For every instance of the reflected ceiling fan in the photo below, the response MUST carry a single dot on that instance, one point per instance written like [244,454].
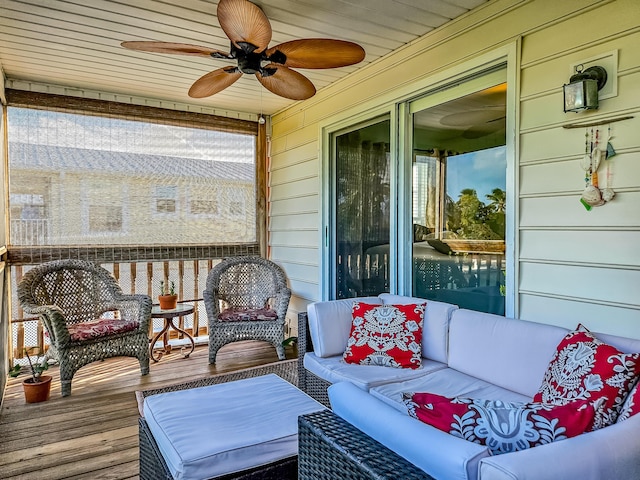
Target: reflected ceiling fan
[249,30]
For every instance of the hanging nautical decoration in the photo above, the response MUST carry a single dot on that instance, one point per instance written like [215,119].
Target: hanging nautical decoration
[596,150]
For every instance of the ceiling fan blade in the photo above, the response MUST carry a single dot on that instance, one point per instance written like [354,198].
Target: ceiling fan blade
[472,117]
[286,82]
[178,48]
[482,131]
[316,53]
[214,82]
[244,22]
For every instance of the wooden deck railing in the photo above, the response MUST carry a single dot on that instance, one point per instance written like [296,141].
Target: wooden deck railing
[471,280]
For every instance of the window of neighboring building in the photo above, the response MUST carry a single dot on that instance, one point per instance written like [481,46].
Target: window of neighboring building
[236,202]
[166,199]
[203,207]
[104,219]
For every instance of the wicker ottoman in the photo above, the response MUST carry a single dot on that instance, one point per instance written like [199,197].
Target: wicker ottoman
[246,429]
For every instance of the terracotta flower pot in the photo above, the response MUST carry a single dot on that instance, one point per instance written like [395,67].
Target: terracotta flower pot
[168,302]
[38,391]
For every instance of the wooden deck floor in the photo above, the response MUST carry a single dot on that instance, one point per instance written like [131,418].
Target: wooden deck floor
[93,433]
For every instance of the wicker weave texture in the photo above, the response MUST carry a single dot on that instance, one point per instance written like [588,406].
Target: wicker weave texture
[67,292]
[309,383]
[152,464]
[285,370]
[246,282]
[330,448]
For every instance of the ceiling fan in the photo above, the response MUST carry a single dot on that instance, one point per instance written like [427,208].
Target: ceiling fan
[249,30]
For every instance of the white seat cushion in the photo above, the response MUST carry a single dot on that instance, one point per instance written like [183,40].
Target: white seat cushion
[229,427]
[448,383]
[335,369]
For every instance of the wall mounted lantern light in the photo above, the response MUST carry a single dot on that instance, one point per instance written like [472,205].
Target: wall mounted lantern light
[581,93]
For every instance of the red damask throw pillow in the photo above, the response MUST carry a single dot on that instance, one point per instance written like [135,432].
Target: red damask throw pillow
[585,368]
[386,335]
[631,404]
[503,427]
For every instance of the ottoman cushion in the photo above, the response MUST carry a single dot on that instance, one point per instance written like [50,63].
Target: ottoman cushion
[228,427]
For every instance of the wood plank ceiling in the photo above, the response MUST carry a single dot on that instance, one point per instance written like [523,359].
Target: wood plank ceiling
[76,43]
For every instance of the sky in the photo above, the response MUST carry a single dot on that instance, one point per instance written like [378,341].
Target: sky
[482,171]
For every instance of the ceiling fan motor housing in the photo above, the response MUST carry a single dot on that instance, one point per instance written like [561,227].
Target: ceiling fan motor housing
[251,62]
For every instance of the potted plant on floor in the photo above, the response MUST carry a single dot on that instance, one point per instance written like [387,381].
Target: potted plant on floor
[291,347]
[37,387]
[167,297]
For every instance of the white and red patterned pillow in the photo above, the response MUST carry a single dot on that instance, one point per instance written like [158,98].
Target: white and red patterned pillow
[503,427]
[100,327]
[631,404]
[585,368]
[386,335]
[238,314]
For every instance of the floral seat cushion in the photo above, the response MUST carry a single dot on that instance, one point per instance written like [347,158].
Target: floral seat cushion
[100,327]
[239,314]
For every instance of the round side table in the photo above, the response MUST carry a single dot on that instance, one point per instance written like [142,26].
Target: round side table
[180,311]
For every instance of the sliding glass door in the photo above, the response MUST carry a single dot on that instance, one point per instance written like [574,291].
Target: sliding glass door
[459,194]
[434,224]
[361,210]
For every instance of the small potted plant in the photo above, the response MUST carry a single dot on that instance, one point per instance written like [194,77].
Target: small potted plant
[37,387]
[167,297]
[291,345]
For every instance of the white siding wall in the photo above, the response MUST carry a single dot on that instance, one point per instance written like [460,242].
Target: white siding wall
[573,265]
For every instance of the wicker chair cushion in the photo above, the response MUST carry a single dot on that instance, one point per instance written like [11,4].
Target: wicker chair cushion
[236,314]
[100,327]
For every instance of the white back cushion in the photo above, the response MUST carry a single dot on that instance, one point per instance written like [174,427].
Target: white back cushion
[510,353]
[624,344]
[436,324]
[330,324]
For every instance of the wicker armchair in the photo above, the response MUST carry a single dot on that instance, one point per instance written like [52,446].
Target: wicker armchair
[246,299]
[86,315]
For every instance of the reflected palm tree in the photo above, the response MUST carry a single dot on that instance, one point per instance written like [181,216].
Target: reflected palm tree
[498,198]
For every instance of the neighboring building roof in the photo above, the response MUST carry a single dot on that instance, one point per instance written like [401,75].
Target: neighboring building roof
[58,159]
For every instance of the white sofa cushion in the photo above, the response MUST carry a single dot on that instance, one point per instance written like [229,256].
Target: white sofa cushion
[439,454]
[435,330]
[229,427]
[330,324]
[624,344]
[448,383]
[335,369]
[513,354]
